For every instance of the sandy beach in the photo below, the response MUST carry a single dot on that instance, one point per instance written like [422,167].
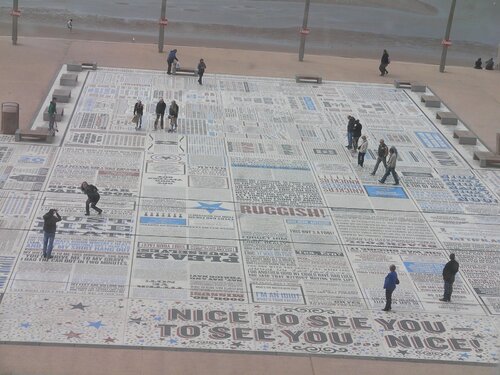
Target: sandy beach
[410,29]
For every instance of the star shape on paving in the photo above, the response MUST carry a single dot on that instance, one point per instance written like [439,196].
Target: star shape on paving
[109,339]
[96,325]
[79,306]
[25,325]
[403,352]
[72,335]
[135,320]
[236,344]
[211,207]
[172,341]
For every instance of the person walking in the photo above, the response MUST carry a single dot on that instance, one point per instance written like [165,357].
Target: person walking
[382,153]
[390,282]
[201,70]
[170,60]
[356,133]
[69,24]
[173,113]
[138,112]
[161,106]
[50,220]
[92,197]
[384,62]
[362,151]
[52,116]
[391,167]
[350,129]
[449,272]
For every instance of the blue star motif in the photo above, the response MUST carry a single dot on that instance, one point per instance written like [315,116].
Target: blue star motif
[211,207]
[25,325]
[96,325]
[157,318]
[464,355]
[172,341]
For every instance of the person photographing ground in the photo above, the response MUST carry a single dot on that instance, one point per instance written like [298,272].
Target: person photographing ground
[93,197]
[50,220]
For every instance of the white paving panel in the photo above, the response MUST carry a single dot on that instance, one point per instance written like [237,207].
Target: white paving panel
[250,229]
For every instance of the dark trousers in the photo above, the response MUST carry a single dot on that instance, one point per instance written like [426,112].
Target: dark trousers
[383,69]
[388,299]
[394,175]
[169,66]
[448,289]
[159,116]
[92,203]
[355,142]
[200,75]
[349,139]
[379,159]
[48,243]
[361,158]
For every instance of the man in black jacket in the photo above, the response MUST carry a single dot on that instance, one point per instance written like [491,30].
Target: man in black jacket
[449,272]
[201,70]
[160,112]
[92,197]
[350,129]
[50,220]
[384,62]
[356,134]
[382,153]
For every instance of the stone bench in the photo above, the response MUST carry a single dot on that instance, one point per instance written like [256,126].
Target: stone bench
[62,95]
[430,101]
[89,65]
[185,71]
[487,159]
[34,135]
[69,79]
[447,118]
[308,79]
[78,67]
[418,87]
[414,86]
[465,137]
[59,114]
[402,84]
[74,67]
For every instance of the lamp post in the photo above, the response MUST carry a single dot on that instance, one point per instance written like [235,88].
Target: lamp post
[303,32]
[15,16]
[161,32]
[446,42]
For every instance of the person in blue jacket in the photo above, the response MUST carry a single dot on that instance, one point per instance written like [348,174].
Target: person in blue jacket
[391,280]
[170,60]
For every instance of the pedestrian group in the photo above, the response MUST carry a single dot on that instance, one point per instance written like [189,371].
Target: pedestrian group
[354,134]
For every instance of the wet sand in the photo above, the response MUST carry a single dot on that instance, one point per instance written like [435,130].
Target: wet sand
[262,35]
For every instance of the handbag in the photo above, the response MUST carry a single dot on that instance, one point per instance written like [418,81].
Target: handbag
[135,119]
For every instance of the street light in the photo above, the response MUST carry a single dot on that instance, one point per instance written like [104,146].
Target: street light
[304,31]
[446,41]
[15,15]
[162,24]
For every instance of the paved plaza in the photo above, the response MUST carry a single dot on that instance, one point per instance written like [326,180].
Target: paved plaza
[251,229]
